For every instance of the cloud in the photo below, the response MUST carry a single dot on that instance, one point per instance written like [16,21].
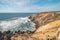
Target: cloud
[26,6]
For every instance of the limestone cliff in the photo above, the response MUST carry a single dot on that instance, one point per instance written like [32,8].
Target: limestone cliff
[47,27]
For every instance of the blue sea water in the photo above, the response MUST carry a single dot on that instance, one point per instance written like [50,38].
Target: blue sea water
[4,16]
[16,21]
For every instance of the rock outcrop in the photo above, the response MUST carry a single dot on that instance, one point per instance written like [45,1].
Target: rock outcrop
[47,27]
[45,18]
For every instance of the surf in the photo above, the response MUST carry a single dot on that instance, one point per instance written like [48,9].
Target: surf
[15,24]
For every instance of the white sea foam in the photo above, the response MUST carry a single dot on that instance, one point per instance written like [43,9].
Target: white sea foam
[22,24]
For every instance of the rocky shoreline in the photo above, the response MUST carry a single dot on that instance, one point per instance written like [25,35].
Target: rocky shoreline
[47,28]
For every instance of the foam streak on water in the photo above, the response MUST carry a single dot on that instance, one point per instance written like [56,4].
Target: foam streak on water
[22,24]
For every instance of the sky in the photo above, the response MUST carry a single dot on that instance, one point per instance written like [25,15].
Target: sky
[29,6]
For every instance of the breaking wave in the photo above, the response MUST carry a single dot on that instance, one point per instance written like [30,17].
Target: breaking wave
[15,24]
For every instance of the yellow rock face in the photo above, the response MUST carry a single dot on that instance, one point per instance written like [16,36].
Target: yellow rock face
[47,27]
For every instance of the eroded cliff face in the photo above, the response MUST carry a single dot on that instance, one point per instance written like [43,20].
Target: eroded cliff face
[45,18]
[47,24]
[47,27]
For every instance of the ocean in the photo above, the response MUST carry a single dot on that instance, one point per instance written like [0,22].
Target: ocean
[16,21]
[4,16]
